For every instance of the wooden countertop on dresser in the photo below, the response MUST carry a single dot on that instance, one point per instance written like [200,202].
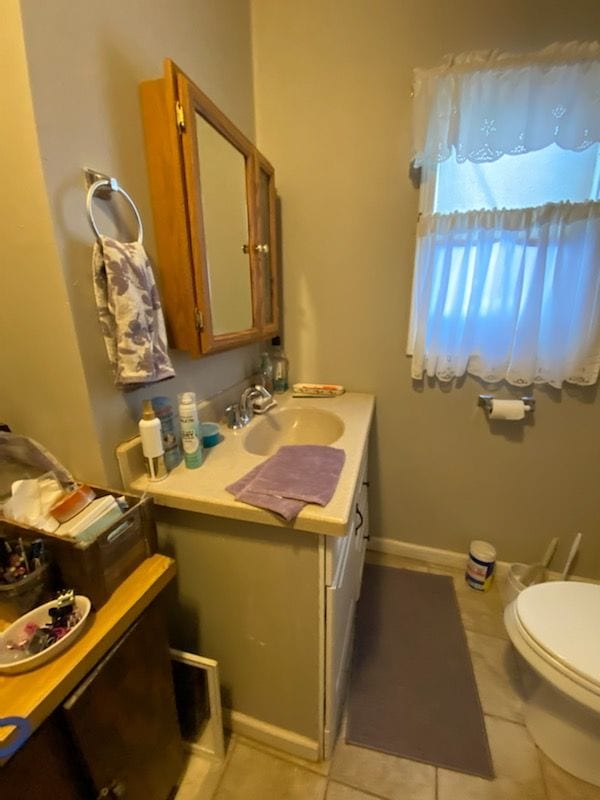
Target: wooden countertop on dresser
[34,695]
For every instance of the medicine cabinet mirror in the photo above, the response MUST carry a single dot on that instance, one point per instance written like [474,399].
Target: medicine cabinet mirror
[213,200]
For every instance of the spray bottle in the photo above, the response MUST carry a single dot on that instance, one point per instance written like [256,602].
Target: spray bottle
[190,430]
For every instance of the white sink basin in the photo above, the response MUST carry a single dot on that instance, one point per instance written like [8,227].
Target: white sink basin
[292,426]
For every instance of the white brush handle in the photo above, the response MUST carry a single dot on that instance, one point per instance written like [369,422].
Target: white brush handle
[571,556]
[550,552]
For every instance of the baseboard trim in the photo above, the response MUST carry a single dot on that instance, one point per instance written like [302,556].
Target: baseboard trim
[448,558]
[281,738]
[431,555]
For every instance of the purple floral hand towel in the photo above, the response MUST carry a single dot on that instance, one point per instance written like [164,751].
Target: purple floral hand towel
[294,476]
[130,313]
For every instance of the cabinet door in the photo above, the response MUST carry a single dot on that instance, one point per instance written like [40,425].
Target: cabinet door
[123,720]
[265,247]
[339,618]
[344,563]
[45,767]
[214,204]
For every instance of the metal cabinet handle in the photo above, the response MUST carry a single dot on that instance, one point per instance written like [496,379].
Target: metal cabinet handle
[361,519]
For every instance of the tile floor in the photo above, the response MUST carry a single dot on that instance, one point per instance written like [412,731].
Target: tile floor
[252,771]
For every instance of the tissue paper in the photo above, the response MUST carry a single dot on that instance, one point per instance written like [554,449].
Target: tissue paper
[31,501]
[507,409]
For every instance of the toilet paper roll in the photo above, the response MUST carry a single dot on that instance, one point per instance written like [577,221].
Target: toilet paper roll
[507,409]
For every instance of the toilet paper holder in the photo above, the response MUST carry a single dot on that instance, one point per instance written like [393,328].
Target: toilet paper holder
[485,401]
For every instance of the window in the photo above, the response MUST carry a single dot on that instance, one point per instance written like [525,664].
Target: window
[507,267]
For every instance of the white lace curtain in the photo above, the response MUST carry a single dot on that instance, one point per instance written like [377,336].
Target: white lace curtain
[480,106]
[508,294]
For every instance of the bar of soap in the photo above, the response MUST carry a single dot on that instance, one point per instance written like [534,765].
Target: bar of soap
[317,390]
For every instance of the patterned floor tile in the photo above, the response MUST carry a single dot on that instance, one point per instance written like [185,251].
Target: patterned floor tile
[386,776]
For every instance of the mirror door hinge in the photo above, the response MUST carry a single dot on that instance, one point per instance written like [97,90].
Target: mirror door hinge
[179,116]
[199,319]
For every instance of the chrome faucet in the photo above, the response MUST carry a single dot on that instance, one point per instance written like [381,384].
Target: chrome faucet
[240,414]
[246,404]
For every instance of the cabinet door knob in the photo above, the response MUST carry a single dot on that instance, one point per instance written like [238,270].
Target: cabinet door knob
[258,248]
[114,789]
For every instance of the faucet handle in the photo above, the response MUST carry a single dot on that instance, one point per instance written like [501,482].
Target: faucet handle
[233,416]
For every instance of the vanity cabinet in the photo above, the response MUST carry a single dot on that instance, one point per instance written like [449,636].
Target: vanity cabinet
[214,205]
[275,606]
[110,726]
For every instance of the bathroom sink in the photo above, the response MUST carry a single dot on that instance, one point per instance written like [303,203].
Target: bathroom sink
[292,426]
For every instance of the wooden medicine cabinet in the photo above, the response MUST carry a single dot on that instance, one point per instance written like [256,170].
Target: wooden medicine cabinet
[213,200]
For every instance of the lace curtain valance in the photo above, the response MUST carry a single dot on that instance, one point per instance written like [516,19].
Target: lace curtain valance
[481,106]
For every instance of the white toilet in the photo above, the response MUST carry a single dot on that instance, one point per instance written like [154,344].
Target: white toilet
[556,629]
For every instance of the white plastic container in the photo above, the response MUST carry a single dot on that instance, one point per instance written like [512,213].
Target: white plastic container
[519,577]
[152,443]
[481,564]
[191,435]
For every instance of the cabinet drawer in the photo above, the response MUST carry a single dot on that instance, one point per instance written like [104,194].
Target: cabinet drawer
[336,545]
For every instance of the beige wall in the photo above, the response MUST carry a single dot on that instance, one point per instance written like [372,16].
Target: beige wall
[86,61]
[44,394]
[332,83]
[333,114]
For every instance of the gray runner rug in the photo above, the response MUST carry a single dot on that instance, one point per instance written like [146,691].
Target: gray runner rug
[412,687]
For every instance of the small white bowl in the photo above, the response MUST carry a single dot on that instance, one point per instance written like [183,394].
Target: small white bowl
[40,616]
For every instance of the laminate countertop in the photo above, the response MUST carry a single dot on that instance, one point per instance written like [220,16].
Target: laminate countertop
[203,490]
[34,695]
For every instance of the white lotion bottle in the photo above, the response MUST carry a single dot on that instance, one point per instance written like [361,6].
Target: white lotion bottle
[191,437]
[152,444]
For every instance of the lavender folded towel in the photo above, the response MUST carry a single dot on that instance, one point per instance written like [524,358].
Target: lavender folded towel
[294,476]
[283,506]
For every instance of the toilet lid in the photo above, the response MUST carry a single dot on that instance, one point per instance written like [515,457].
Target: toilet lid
[563,618]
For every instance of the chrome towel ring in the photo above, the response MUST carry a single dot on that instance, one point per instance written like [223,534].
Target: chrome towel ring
[106,186]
